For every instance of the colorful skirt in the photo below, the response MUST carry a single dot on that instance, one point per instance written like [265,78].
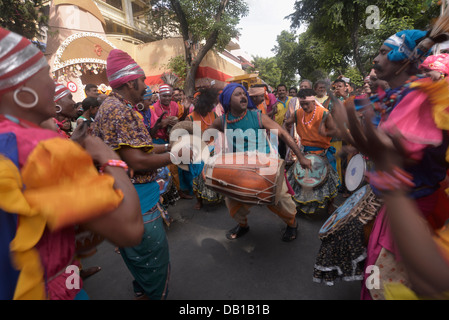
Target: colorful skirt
[204,192]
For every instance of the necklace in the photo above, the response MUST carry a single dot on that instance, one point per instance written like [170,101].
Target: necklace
[238,119]
[304,117]
[210,121]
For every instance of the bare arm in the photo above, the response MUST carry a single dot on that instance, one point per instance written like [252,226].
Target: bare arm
[122,226]
[427,268]
[141,161]
[285,136]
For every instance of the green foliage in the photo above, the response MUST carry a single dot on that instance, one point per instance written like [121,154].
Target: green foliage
[23,17]
[179,67]
[337,37]
[268,70]
[200,15]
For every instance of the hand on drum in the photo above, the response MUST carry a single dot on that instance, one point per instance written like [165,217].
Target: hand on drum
[385,150]
[305,163]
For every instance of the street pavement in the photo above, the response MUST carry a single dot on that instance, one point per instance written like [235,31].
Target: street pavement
[205,265]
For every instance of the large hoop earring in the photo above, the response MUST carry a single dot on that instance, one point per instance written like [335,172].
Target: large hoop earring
[140,106]
[26,105]
[58,110]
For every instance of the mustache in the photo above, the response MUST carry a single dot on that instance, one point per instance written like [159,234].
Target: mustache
[377,67]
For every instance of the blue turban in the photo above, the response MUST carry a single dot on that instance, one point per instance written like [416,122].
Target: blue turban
[225,96]
[404,43]
[148,94]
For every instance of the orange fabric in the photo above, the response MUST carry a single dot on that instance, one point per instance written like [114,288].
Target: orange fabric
[63,174]
[205,121]
[262,108]
[309,133]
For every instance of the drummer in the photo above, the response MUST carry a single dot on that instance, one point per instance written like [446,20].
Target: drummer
[240,113]
[315,128]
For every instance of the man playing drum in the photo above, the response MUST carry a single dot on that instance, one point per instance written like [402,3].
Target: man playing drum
[240,113]
[315,128]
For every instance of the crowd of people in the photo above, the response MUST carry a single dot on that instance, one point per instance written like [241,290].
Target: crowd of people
[115,153]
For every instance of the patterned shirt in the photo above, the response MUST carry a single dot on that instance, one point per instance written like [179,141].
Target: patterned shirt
[118,125]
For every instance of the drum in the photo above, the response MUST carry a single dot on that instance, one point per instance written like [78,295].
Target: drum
[86,242]
[246,177]
[316,176]
[355,172]
[163,179]
[344,238]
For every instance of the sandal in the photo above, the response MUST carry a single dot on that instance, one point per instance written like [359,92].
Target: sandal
[290,233]
[237,232]
[89,272]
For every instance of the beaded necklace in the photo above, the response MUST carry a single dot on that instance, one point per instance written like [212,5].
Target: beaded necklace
[205,122]
[236,120]
[304,117]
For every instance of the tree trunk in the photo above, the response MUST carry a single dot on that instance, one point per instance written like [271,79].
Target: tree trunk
[193,64]
[355,41]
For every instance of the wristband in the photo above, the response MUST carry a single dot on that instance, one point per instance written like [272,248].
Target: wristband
[385,182]
[114,163]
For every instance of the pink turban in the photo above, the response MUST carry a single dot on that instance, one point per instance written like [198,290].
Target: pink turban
[121,68]
[437,63]
[19,60]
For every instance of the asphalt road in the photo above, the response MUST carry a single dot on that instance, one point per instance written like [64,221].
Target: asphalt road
[205,265]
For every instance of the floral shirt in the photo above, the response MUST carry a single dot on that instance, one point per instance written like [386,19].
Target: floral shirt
[118,125]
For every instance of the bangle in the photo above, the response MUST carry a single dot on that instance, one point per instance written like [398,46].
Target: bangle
[386,182]
[166,146]
[173,158]
[114,163]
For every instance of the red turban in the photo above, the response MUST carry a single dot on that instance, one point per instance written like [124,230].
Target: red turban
[60,92]
[121,68]
[19,60]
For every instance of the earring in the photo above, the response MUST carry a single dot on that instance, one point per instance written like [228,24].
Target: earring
[58,110]
[140,106]
[26,105]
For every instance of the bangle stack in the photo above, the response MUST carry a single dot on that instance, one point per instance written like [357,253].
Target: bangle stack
[386,182]
[114,163]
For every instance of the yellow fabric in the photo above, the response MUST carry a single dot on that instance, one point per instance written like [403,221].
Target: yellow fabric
[280,115]
[62,188]
[397,291]
[30,284]
[438,95]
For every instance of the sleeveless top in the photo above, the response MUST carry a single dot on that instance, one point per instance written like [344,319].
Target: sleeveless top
[246,134]
[309,132]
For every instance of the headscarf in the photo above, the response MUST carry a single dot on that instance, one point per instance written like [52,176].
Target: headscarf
[225,96]
[165,89]
[437,63]
[121,68]
[404,43]
[19,60]
[148,94]
[60,92]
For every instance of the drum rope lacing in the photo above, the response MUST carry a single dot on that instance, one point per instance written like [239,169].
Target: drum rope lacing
[253,194]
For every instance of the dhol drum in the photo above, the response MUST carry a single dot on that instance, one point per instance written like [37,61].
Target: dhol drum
[250,178]
[355,172]
[344,238]
[315,177]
